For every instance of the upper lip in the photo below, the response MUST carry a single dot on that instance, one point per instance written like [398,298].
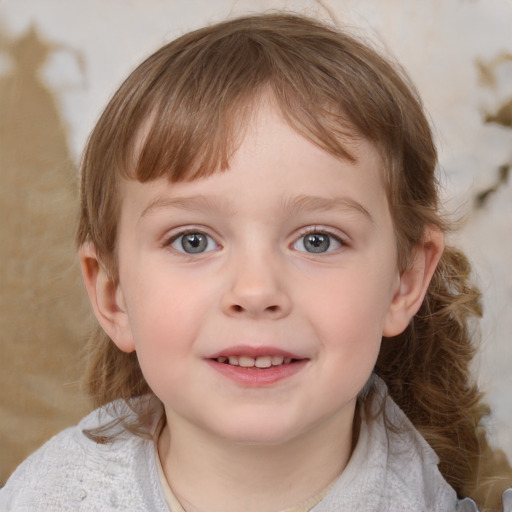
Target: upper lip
[251,351]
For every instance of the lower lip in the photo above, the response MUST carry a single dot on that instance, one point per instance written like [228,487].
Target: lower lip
[256,377]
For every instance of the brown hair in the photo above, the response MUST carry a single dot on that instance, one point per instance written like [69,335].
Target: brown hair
[190,100]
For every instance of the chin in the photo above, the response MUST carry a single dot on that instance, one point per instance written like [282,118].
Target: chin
[260,433]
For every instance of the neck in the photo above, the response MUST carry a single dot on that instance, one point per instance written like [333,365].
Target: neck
[214,475]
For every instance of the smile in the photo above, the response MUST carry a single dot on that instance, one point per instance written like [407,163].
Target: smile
[261,362]
[256,367]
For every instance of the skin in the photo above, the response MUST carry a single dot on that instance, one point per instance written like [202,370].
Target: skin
[228,445]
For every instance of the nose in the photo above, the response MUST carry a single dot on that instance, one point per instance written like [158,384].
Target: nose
[256,290]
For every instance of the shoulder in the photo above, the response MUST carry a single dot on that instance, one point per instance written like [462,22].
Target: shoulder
[392,468]
[412,465]
[72,472]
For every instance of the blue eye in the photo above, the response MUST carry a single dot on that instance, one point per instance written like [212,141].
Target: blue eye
[317,242]
[193,243]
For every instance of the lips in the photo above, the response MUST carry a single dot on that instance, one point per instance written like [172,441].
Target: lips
[256,366]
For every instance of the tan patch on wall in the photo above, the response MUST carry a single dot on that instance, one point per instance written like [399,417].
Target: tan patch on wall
[501,116]
[43,310]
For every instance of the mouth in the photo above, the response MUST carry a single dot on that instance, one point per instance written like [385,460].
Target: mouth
[259,362]
[256,367]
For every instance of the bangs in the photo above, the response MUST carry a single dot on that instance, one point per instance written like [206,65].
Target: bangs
[199,92]
[186,147]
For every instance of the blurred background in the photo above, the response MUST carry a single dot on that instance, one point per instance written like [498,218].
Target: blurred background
[60,60]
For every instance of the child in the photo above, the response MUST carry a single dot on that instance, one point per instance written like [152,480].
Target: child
[282,325]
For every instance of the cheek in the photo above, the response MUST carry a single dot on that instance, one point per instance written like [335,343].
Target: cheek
[167,313]
[161,318]
[350,309]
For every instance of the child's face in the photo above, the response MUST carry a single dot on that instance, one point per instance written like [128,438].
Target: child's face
[288,255]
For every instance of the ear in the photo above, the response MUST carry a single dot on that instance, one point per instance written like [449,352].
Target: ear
[414,282]
[106,298]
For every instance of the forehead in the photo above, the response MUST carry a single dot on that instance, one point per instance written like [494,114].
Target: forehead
[185,147]
[270,139]
[272,160]
[153,141]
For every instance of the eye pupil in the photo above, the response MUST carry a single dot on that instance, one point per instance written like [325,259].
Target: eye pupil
[194,242]
[316,242]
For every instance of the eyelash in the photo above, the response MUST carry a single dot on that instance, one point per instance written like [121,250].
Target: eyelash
[321,231]
[315,230]
[174,237]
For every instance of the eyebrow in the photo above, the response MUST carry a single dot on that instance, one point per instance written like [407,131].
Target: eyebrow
[292,205]
[319,204]
[187,203]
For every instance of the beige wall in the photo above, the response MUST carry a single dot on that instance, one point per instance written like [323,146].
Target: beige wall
[59,62]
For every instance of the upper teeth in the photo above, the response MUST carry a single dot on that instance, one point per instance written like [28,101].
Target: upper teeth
[258,362]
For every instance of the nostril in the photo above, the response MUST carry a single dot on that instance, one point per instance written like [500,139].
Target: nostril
[269,309]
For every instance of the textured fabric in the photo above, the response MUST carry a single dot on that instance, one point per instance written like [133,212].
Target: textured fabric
[73,473]
[388,471]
